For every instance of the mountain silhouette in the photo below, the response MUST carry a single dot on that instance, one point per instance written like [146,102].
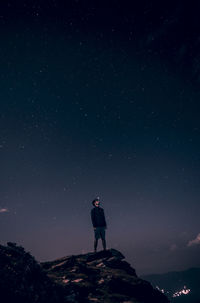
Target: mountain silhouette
[92,277]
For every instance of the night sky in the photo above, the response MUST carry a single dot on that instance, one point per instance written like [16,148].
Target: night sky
[101,100]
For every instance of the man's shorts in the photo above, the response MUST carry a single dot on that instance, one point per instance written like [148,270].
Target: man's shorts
[99,232]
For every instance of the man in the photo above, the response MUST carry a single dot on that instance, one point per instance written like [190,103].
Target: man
[99,224]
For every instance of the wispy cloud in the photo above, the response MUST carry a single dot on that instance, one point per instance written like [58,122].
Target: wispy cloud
[195,241]
[3,210]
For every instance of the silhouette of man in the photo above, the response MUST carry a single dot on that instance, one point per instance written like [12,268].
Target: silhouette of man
[99,224]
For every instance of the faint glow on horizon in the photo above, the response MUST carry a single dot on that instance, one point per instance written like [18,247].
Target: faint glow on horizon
[161,290]
[184,291]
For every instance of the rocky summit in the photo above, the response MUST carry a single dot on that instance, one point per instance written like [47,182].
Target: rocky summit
[93,277]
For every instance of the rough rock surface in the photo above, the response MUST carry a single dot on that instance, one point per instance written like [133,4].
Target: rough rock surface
[93,277]
[22,279]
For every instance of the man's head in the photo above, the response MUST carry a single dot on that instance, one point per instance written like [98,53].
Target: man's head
[96,202]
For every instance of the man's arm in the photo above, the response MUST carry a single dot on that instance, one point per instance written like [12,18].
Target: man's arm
[104,219]
[93,218]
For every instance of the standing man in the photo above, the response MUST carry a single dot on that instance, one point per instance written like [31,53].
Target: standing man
[99,224]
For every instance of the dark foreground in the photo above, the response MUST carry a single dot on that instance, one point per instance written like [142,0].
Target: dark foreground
[92,277]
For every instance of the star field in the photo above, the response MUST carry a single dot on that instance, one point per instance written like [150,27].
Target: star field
[93,103]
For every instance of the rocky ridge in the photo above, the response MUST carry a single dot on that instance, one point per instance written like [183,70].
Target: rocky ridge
[93,277]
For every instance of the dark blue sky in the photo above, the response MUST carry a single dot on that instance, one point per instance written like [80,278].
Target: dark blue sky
[101,101]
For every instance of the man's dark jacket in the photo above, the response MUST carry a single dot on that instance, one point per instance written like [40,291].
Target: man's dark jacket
[98,217]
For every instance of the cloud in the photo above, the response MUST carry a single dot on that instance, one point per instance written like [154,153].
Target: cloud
[3,210]
[196,241]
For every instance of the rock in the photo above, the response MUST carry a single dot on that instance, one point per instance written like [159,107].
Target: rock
[103,277]
[23,280]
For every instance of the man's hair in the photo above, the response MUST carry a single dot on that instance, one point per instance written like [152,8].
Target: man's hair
[94,201]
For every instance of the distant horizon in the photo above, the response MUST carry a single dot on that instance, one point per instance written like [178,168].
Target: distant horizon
[169,272]
[43,260]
